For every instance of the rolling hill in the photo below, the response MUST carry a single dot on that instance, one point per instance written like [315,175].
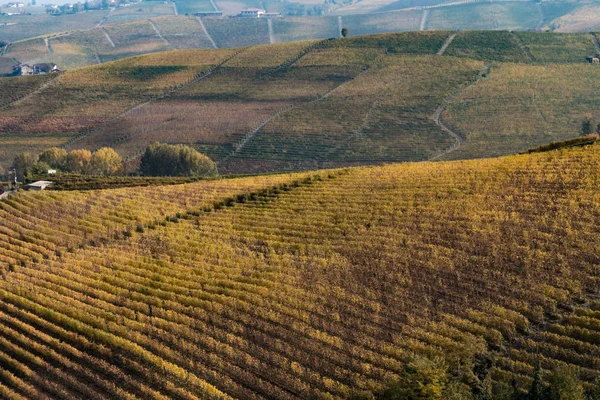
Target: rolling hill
[330,103]
[304,286]
[82,39]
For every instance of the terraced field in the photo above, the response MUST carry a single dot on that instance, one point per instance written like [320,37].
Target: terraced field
[288,287]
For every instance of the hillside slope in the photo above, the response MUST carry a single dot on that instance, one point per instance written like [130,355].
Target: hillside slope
[290,287]
[317,104]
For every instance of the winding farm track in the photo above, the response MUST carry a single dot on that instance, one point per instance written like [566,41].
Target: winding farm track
[35,92]
[5,49]
[162,96]
[524,48]
[159,34]
[242,143]
[108,37]
[424,17]
[206,32]
[439,121]
[48,47]
[103,20]
[446,44]
[271,33]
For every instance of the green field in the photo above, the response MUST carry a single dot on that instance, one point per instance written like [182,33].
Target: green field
[193,6]
[545,103]
[564,48]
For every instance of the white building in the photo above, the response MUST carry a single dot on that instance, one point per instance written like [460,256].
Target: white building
[252,13]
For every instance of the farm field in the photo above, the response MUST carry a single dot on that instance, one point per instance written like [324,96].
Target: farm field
[79,100]
[530,95]
[142,10]
[237,32]
[312,104]
[574,48]
[300,286]
[28,26]
[193,6]
[497,16]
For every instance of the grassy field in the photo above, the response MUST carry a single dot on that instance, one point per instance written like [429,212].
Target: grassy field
[294,287]
[481,45]
[143,10]
[545,103]
[380,23]
[303,28]
[28,26]
[183,32]
[193,6]
[505,16]
[237,32]
[564,48]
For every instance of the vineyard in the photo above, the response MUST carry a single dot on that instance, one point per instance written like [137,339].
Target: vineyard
[304,286]
[409,96]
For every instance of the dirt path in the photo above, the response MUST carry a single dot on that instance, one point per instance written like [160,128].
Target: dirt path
[48,47]
[159,97]
[271,33]
[5,49]
[524,48]
[446,44]
[34,93]
[424,18]
[108,37]
[103,20]
[238,147]
[206,32]
[596,41]
[439,121]
[159,34]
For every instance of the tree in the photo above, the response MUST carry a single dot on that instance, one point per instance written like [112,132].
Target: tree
[106,161]
[422,378]
[23,162]
[344,32]
[564,384]
[54,157]
[78,161]
[586,125]
[175,160]
[537,391]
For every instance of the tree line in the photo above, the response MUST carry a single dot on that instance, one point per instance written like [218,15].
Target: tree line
[432,378]
[158,160]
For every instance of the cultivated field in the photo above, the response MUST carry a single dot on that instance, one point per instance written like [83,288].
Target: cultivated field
[312,104]
[295,287]
[520,106]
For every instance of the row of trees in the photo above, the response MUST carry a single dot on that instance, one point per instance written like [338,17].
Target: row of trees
[104,162]
[158,160]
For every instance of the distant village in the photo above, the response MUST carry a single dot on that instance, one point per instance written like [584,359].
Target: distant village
[19,8]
